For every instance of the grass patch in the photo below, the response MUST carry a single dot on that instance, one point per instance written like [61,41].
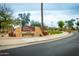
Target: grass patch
[27,33]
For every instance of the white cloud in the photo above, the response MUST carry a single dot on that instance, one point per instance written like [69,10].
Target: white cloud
[49,16]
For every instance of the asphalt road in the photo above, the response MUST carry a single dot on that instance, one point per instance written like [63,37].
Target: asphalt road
[65,47]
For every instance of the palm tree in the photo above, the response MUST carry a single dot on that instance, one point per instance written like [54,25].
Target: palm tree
[25,18]
[42,15]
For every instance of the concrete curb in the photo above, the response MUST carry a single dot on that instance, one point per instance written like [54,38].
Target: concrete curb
[42,41]
[4,47]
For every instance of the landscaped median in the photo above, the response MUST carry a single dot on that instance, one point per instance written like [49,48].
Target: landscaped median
[7,43]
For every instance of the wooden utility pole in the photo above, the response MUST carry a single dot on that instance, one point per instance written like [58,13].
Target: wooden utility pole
[42,15]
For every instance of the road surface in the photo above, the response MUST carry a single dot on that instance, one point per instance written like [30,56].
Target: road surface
[65,47]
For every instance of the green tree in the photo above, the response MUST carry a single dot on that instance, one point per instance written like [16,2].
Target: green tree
[61,24]
[25,18]
[35,23]
[16,22]
[70,23]
[5,17]
[77,23]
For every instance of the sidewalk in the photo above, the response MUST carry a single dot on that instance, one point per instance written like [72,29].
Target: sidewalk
[18,42]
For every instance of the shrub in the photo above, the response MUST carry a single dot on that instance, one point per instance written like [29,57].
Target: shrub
[54,32]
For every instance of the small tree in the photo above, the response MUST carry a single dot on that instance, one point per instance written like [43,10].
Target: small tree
[35,23]
[61,24]
[70,23]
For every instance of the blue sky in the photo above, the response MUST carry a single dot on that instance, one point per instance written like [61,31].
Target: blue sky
[53,12]
[47,6]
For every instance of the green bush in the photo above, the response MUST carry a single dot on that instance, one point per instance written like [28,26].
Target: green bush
[54,32]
